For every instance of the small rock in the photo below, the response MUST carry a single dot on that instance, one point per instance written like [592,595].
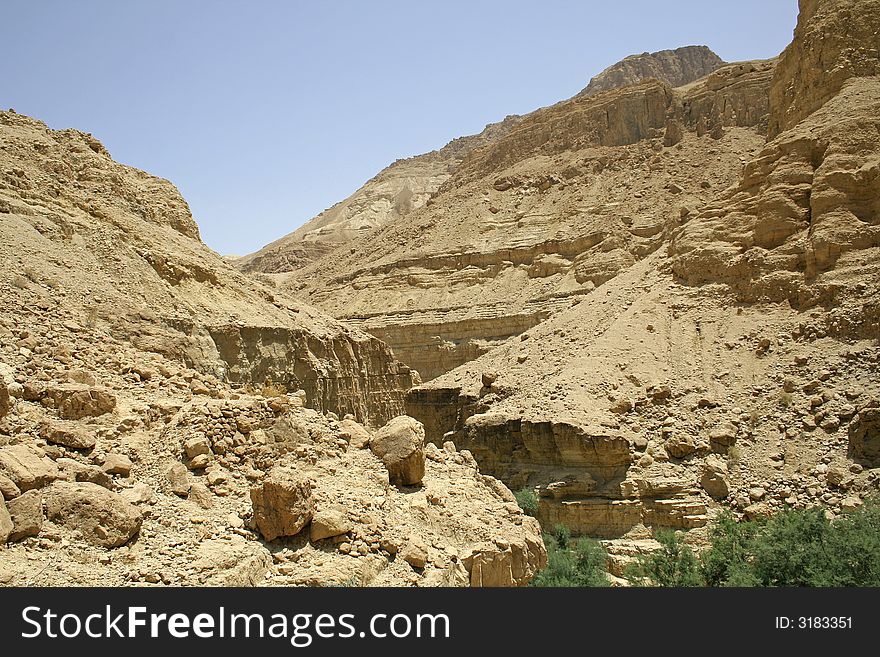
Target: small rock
[6,525]
[757,493]
[179,479]
[200,495]
[200,462]
[8,489]
[196,446]
[415,553]
[329,522]
[117,464]
[355,433]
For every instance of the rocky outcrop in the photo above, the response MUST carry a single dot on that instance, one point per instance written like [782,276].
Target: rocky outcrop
[733,95]
[674,67]
[348,372]
[730,365]
[864,434]
[112,250]
[807,204]
[535,220]
[834,40]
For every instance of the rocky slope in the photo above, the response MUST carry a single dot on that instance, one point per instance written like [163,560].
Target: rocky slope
[393,193]
[532,223]
[88,241]
[737,364]
[674,67]
[148,389]
[409,184]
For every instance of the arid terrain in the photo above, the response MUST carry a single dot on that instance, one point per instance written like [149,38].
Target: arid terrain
[647,303]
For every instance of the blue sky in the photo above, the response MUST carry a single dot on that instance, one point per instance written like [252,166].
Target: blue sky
[264,113]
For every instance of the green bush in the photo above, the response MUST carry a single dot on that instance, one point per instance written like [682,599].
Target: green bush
[567,566]
[527,500]
[797,547]
[562,534]
[674,564]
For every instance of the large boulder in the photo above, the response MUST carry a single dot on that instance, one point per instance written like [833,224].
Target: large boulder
[282,504]
[864,433]
[103,517]
[27,467]
[714,478]
[68,434]
[26,512]
[401,446]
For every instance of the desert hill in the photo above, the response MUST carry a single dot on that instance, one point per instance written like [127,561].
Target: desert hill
[165,419]
[737,364]
[409,184]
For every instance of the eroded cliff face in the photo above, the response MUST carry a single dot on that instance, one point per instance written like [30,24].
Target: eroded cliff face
[676,68]
[738,363]
[534,222]
[833,42]
[112,248]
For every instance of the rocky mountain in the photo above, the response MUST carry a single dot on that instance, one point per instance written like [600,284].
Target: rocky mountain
[646,304]
[736,364]
[393,193]
[165,419]
[534,222]
[409,184]
[674,67]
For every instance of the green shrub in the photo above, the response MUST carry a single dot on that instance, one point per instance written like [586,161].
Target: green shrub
[527,500]
[674,564]
[796,547]
[582,565]
[562,534]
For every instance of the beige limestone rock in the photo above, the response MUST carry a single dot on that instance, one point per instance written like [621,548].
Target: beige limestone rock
[401,446]
[69,435]
[117,464]
[75,401]
[26,512]
[358,437]
[6,526]
[8,489]
[329,522]
[714,478]
[282,504]
[864,433]
[103,517]
[27,467]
